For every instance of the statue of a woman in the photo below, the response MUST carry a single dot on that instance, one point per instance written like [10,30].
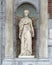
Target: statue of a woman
[26,32]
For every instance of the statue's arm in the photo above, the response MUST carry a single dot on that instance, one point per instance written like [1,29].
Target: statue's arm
[20,28]
[19,33]
[32,30]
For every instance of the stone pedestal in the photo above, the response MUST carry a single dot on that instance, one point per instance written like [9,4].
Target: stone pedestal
[28,57]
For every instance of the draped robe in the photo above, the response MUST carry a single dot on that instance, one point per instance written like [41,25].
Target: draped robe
[26,32]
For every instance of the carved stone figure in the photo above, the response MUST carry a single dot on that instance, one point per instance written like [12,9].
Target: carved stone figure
[26,32]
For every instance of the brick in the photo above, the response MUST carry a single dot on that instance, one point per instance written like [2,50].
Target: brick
[50,8]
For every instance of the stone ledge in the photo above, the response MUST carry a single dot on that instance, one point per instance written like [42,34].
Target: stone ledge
[18,61]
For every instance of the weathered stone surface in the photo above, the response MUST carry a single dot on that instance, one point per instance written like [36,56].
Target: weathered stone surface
[49,23]
[2,28]
[26,62]
[9,29]
[43,50]
[50,52]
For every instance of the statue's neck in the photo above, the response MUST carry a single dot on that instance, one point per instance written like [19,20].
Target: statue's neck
[26,16]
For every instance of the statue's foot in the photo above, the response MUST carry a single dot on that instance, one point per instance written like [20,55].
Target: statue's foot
[22,54]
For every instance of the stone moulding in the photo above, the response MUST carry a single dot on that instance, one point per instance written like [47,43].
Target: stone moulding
[26,61]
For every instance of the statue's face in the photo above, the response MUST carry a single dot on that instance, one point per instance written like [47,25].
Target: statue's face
[26,12]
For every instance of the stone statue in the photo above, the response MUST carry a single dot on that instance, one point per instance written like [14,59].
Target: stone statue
[26,32]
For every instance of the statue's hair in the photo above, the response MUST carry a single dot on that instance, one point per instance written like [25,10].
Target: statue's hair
[26,11]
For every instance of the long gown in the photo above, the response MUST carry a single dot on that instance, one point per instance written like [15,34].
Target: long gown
[26,31]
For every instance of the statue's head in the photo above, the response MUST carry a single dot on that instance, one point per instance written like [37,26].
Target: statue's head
[26,12]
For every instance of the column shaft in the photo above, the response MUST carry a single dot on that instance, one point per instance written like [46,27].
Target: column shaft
[9,29]
[43,50]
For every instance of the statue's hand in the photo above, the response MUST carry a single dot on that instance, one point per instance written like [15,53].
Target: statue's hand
[32,33]
[19,36]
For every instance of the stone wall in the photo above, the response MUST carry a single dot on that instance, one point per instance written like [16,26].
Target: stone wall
[2,26]
[49,39]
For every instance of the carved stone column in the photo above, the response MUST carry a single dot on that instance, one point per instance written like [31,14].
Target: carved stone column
[43,46]
[9,29]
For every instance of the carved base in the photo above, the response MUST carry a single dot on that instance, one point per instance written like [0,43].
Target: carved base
[26,57]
